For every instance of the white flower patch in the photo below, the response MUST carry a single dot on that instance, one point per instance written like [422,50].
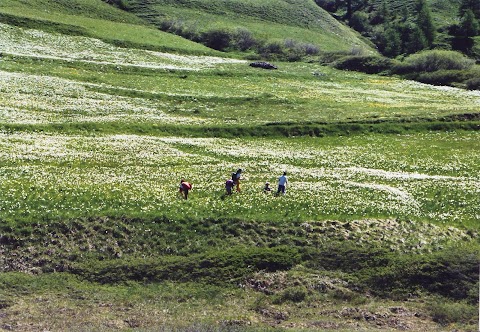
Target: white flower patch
[397,193]
[44,99]
[67,174]
[414,85]
[398,175]
[390,96]
[40,44]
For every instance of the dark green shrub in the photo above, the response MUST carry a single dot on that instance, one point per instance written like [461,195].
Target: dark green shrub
[217,39]
[441,77]
[243,40]
[447,313]
[364,64]
[473,83]
[430,61]
[294,294]
[214,267]
[271,50]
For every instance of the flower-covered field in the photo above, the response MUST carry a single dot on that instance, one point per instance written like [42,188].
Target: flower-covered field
[95,138]
[423,177]
[55,78]
[41,44]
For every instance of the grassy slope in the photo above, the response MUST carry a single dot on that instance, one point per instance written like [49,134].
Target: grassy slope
[97,19]
[149,233]
[274,20]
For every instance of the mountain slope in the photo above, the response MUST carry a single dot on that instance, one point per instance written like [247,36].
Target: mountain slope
[273,20]
[94,18]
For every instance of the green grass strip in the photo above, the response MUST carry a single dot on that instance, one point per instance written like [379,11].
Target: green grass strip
[266,130]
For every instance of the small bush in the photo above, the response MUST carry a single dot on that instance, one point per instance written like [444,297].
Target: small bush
[441,77]
[364,64]
[447,313]
[180,28]
[311,49]
[217,39]
[294,294]
[243,39]
[430,61]
[473,83]
[271,50]
[296,50]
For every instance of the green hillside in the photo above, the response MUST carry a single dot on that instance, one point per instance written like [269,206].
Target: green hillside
[273,20]
[408,26]
[102,115]
[94,18]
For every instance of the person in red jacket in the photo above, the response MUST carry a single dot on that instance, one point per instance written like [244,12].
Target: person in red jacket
[185,187]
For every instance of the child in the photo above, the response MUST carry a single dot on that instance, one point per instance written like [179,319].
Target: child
[229,186]
[184,188]
[267,188]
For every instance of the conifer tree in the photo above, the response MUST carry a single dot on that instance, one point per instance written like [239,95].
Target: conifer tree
[393,41]
[469,26]
[473,5]
[414,39]
[425,22]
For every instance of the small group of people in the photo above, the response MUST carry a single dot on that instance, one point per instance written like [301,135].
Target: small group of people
[237,176]
[234,182]
[282,185]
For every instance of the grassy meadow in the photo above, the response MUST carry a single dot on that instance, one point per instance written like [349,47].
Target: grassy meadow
[99,121]
[272,20]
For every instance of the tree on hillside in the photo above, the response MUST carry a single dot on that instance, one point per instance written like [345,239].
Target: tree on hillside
[393,44]
[350,7]
[424,22]
[414,39]
[381,15]
[328,5]
[360,22]
[469,25]
[473,5]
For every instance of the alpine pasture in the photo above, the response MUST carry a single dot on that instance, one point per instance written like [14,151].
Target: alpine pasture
[101,115]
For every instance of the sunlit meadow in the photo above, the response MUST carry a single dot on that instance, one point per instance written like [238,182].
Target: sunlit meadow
[55,78]
[404,176]
[94,139]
